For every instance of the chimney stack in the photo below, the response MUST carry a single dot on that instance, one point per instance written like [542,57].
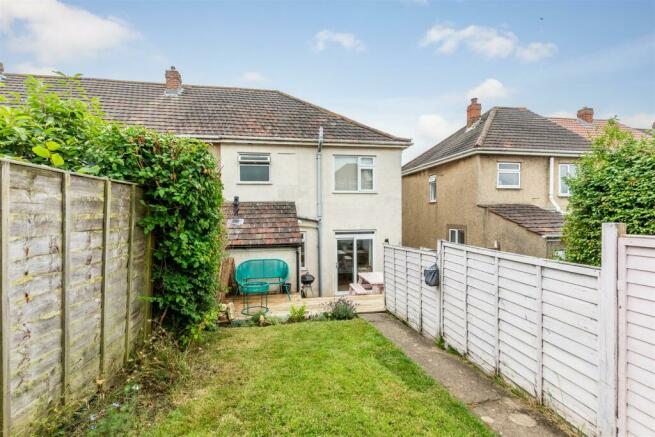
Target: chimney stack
[586,114]
[473,111]
[173,81]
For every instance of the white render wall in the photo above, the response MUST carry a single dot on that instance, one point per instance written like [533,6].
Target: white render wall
[286,254]
[293,178]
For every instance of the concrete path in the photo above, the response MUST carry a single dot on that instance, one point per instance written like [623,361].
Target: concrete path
[505,413]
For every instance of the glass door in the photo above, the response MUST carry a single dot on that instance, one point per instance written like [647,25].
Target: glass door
[354,255]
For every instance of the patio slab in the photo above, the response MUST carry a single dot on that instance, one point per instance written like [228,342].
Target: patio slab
[505,413]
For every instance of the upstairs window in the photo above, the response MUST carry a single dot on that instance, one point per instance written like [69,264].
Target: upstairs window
[508,175]
[566,171]
[254,167]
[354,173]
[432,189]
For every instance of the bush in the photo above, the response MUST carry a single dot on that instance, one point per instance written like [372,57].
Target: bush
[297,314]
[614,183]
[341,309]
[182,187]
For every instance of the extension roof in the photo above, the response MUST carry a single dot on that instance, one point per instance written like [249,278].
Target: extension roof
[262,224]
[503,129]
[216,113]
[538,220]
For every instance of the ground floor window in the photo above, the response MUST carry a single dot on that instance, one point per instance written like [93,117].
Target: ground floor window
[456,235]
[354,255]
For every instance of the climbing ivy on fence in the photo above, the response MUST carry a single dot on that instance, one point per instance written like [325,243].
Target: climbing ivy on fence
[614,183]
[182,185]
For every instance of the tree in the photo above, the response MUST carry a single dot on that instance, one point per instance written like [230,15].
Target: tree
[614,183]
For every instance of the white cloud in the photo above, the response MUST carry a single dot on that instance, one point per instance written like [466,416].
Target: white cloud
[52,31]
[642,120]
[348,41]
[536,51]
[486,41]
[28,68]
[488,89]
[254,77]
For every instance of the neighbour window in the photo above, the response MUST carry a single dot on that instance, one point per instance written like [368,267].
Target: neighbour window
[509,175]
[354,173]
[303,241]
[254,167]
[566,170]
[456,235]
[432,186]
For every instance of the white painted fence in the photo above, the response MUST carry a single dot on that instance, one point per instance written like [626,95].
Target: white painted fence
[547,327]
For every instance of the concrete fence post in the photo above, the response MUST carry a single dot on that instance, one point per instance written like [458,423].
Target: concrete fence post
[65,284]
[4,296]
[608,335]
[104,326]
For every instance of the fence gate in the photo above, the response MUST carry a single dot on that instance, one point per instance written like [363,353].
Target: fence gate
[636,339]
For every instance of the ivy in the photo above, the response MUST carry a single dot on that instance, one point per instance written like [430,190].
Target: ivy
[182,187]
[614,183]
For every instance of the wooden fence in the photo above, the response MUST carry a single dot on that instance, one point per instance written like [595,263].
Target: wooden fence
[75,265]
[552,329]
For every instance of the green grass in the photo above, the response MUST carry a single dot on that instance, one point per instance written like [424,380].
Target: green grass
[319,378]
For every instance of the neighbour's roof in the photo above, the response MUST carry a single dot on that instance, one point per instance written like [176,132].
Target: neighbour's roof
[262,224]
[216,112]
[591,130]
[503,129]
[538,220]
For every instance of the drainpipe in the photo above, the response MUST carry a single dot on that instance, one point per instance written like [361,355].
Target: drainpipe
[298,270]
[551,184]
[319,207]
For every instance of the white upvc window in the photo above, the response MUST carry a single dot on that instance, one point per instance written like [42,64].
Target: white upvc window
[354,173]
[254,167]
[456,235]
[508,175]
[566,170]
[432,188]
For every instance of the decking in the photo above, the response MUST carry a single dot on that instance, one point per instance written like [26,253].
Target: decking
[279,304]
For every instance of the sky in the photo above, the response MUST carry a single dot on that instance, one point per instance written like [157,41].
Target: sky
[408,67]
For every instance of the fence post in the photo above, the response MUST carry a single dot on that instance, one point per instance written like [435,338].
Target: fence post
[65,284]
[540,335]
[150,243]
[466,303]
[497,308]
[420,292]
[4,295]
[130,265]
[442,301]
[607,309]
[105,279]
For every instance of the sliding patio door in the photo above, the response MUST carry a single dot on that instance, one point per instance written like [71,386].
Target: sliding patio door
[354,255]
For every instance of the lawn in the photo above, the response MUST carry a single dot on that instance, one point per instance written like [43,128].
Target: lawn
[314,378]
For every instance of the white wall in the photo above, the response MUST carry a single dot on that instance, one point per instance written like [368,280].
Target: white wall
[293,178]
[287,254]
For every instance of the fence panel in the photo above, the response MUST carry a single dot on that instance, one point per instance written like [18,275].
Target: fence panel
[636,342]
[430,302]
[74,268]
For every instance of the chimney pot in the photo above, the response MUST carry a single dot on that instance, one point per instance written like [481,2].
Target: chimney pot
[586,114]
[473,111]
[173,81]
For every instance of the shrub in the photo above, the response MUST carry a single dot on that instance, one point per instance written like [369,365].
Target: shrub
[341,309]
[182,187]
[614,183]
[263,319]
[297,314]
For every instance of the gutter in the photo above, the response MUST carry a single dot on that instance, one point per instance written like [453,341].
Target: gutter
[551,184]
[493,151]
[298,141]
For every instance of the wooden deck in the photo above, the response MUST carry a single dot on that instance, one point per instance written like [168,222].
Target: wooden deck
[279,304]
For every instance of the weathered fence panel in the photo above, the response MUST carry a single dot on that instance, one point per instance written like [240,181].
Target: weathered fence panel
[553,329]
[636,339]
[74,268]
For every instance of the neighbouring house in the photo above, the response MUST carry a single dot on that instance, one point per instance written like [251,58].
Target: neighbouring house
[343,177]
[498,182]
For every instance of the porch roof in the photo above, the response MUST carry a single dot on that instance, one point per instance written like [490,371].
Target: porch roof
[531,217]
[262,224]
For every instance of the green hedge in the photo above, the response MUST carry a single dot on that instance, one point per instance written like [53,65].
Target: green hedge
[614,183]
[182,185]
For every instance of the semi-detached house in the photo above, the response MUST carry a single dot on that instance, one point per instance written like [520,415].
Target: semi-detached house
[315,188]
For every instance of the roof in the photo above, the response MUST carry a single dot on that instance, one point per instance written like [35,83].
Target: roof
[216,112]
[503,129]
[262,224]
[538,220]
[591,130]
